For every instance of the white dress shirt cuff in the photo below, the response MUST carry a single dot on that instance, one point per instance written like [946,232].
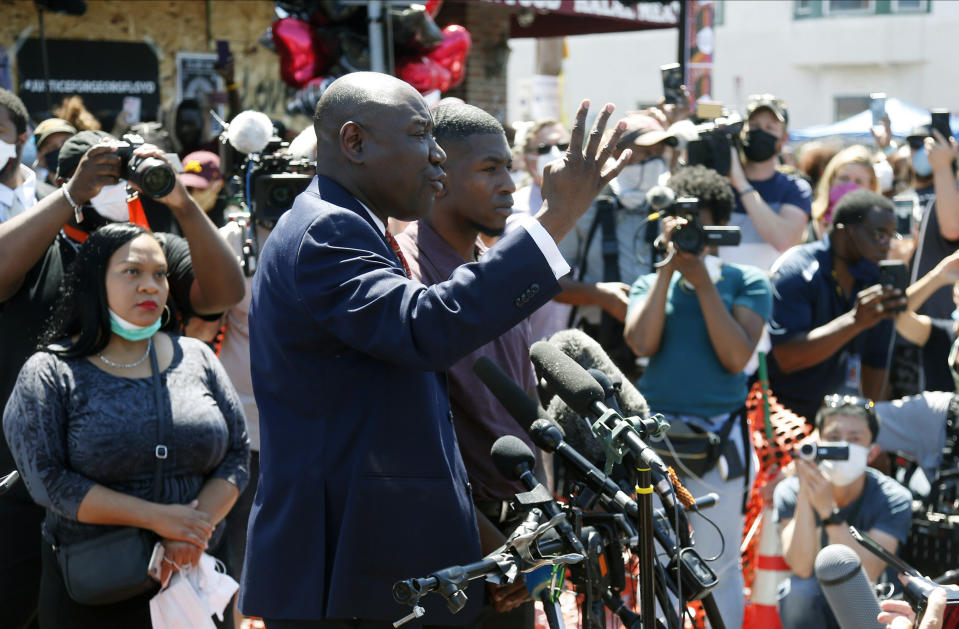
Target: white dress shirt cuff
[546,245]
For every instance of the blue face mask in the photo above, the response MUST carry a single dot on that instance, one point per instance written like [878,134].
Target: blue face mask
[920,163]
[124,329]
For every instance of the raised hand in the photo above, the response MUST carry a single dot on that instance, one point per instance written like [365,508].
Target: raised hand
[942,151]
[99,166]
[876,303]
[572,182]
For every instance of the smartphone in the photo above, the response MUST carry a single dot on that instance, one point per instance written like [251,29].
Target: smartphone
[904,215]
[894,273]
[940,122]
[877,106]
[919,588]
[222,52]
[673,84]
[155,567]
[131,109]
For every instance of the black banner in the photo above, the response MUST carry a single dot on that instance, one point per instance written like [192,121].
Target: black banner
[102,72]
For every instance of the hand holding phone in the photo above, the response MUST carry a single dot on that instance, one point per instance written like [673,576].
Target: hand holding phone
[940,123]
[673,84]
[895,274]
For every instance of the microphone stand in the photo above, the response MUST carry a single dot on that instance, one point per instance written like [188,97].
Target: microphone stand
[647,576]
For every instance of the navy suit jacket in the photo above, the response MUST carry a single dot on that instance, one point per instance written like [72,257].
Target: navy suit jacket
[361,479]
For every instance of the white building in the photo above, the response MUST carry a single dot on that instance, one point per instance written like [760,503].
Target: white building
[823,57]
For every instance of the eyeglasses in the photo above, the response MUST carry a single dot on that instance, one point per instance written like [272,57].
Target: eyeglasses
[836,400]
[543,148]
[880,235]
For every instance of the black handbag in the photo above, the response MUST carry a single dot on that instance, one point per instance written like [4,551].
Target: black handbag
[113,567]
[695,450]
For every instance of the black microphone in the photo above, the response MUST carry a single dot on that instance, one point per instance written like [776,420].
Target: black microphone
[548,437]
[609,393]
[515,461]
[584,395]
[846,587]
[524,409]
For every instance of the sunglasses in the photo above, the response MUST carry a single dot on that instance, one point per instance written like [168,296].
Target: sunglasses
[543,148]
[836,400]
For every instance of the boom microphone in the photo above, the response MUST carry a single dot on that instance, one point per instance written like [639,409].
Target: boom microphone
[524,409]
[249,131]
[847,589]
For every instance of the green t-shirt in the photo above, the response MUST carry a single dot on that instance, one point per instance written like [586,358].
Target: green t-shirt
[685,375]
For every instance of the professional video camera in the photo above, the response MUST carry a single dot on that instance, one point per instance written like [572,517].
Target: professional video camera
[713,141]
[152,175]
[694,237]
[273,178]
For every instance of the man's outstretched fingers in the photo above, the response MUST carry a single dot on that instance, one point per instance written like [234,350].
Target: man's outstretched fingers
[599,126]
[579,131]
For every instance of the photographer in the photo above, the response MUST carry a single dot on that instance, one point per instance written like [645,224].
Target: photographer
[35,250]
[772,208]
[831,322]
[699,320]
[816,505]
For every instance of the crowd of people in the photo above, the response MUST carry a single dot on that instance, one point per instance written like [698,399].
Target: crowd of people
[298,400]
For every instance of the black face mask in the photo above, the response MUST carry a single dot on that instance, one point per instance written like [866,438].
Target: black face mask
[51,160]
[759,145]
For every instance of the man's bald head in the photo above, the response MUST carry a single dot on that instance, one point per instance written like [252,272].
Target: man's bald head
[360,97]
[374,138]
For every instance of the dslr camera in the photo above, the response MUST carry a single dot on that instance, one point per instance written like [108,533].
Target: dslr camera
[713,141]
[152,175]
[693,236]
[835,451]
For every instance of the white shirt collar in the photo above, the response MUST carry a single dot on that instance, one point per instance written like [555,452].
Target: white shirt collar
[376,219]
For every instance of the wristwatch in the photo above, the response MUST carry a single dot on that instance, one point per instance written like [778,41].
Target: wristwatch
[834,518]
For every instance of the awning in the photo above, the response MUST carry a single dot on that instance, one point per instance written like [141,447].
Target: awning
[559,18]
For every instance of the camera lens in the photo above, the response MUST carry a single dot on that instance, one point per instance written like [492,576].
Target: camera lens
[281,196]
[153,176]
[688,238]
[807,451]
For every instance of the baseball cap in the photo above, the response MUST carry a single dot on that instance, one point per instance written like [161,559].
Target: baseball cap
[200,169]
[50,126]
[75,148]
[645,131]
[770,102]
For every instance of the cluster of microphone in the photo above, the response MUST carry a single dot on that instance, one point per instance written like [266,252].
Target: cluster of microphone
[600,522]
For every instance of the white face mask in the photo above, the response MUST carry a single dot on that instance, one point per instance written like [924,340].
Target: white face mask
[7,152]
[111,202]
[842,473]
[542,160]
[635,180]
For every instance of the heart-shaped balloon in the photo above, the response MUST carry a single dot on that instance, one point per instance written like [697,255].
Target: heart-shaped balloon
[433,7]
[451,54]
[423,73]
[302,54]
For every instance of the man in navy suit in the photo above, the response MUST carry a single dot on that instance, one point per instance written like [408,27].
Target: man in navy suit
[361,481]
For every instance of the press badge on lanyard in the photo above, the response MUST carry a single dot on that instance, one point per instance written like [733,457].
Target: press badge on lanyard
[853,375]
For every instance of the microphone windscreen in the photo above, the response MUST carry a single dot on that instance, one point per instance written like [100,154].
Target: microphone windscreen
[250,131]
[511,456]
[524,409]
[660,197]
[570,381]
[588,353]
[847,588]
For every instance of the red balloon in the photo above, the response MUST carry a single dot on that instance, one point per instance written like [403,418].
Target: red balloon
[302,54]
[451,54]
[433,7]
[424,74]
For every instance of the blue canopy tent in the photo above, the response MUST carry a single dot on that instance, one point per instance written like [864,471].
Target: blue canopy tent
[903,116]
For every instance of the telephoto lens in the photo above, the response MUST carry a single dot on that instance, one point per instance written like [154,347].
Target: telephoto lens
[152,175]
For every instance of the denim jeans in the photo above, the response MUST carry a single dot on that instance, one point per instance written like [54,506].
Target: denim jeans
[803,604]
